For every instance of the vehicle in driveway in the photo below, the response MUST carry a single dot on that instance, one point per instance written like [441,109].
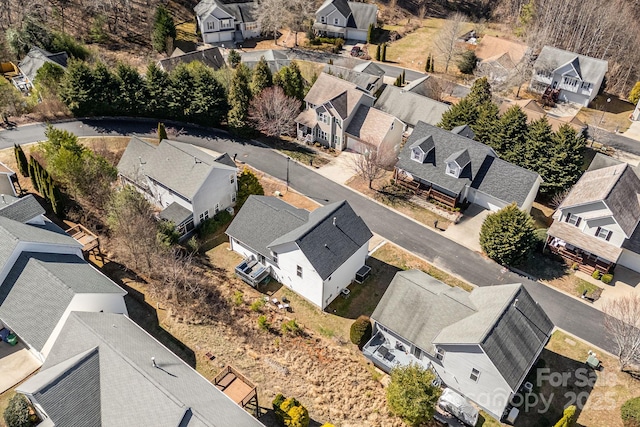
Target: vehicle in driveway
[358,51]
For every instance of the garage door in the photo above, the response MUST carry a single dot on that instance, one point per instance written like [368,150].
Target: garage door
[485,200]
[630,260]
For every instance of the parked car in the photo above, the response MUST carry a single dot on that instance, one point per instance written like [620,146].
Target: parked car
[358,51]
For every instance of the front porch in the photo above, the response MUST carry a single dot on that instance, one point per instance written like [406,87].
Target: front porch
[253,272]
[423,190]
[586,261]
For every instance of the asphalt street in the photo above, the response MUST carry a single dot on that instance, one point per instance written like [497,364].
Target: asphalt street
[615,140]
[567,313]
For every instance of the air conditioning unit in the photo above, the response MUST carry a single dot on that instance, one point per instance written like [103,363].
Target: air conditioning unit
[231,210]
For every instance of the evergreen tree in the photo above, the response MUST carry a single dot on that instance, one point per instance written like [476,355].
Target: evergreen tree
[106,91]
[383,54]
[162,132]
[239,98]
[291,81]
[17,413]
[480,93]
[509,142]
[234,58]
[378,53]
[427,65]
[248,184]
[564,165]
[538,145]
[467,62]
[370,34]
[208,101]
[76,89]
[181,92]
[634,94]
[412,394]
[486,124]
[262,77]
[158,84]
[464,112]
[133,97]
[164,30]
[404,77]
[508,236]
[21,160]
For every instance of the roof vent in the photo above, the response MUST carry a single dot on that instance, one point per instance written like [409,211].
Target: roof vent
[196,160]
[334,221]
[515,302]
[153,362]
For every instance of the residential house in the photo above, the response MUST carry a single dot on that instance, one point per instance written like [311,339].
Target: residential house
[482,343]
[534,112]
[370,83]
[221,21]
[577,77]
[372,130]
[422,86]
[32,62]
[211,57]
[453,169]
[500,59]
[636,113]
[331,105]
[8,180]
[349,20]
[105,370]
[315,254]
[188,184]
[596,226]
[410,107]
[276,59]
[369,67]
[43,278]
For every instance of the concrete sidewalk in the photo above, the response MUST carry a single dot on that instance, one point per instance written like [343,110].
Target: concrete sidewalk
[341,168]
[634,131]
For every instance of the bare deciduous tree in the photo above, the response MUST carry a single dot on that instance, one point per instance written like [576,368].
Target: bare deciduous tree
[372,163]
[622,323]
[446,42]
[273,113]
[300,13]
[271,16]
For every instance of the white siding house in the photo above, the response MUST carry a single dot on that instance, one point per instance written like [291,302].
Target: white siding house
[482,344]
[315,254]
[221,22]
[345,19]
[189,185]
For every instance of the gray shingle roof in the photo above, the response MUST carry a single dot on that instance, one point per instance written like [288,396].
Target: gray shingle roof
[464,130]
[341,5]
[22,209]
[486,173]
[589,69]
[410,107]
[364,81]
[425,311]
[242,12]
[461,158]
[211,57]
[266,222]
[363,14]
[179,166]
[36,58]
[70,390]
[369,67]
[426,144]
[343,95]
[131,388]
[45,284]
[176,213]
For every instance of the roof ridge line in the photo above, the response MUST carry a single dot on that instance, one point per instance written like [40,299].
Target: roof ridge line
[624,169]
[324,217]
[83,358]
[503,309]
[189,154]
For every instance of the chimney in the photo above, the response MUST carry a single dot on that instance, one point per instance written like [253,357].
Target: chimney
[334,221]
[153,362]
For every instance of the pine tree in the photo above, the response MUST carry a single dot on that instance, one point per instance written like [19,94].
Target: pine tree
[291,81]
[383,55]
[508,236]
[486,125]
[32,172]
[239,98]
[462,113]
[21,160]
[432,63]
[181,92]
[378,53]
[158,84]
[208,102]
[509,142]
[564,165]
[404,77]
[162,132]
[480,93]
[133,97]
[262,77]
[234,58]
[370,33]
[105,96]
[76,88]
[164,30]
[427,66]
[538,145]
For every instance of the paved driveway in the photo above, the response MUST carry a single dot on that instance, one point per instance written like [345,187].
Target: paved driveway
[16,364]
[467,231]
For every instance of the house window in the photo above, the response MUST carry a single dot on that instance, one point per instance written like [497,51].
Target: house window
[211,26]
[275,257]
[392,123]
[452,170]
[299,271]
[217,208]
[204,215]
[233,198]
[475,374]
[261,259]
[251,26]
[416,155]
[573,219]
[603,233]
[226,23]
[323,19]
[417,353]
[324,118]
[336,21]
[322,134]
[440,354]
[232,178]
[336,139]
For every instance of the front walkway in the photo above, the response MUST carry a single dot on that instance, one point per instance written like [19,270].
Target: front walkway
[625,282]
[467,231]
[16,364]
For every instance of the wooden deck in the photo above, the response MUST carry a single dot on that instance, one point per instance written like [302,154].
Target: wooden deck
[421,190]
[84,236]
[237,387]
[585,264]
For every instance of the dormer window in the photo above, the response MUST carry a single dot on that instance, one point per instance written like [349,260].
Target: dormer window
[573,219]
[417,155]
[603,233]
[453,169]
[421,149]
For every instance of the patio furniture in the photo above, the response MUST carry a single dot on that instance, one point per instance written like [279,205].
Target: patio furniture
[275,301]
[383,351]
[280,306]
[286,307]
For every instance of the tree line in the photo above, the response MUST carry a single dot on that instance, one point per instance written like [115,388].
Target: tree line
[556,156]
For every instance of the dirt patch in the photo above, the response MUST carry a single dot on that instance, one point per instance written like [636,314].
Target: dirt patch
[397,199]
[612,116]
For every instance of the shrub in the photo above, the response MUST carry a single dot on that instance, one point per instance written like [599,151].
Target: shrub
[327,425]
[468,62]
[630,412]
[210,226]
[17,412]
[290,412]
[257,305]
[361,331]
[291,327]
[634,95]
[568,417]
[606,278]
[596,275]
[263,323]
[238,298]
[507,236]
[575,266]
